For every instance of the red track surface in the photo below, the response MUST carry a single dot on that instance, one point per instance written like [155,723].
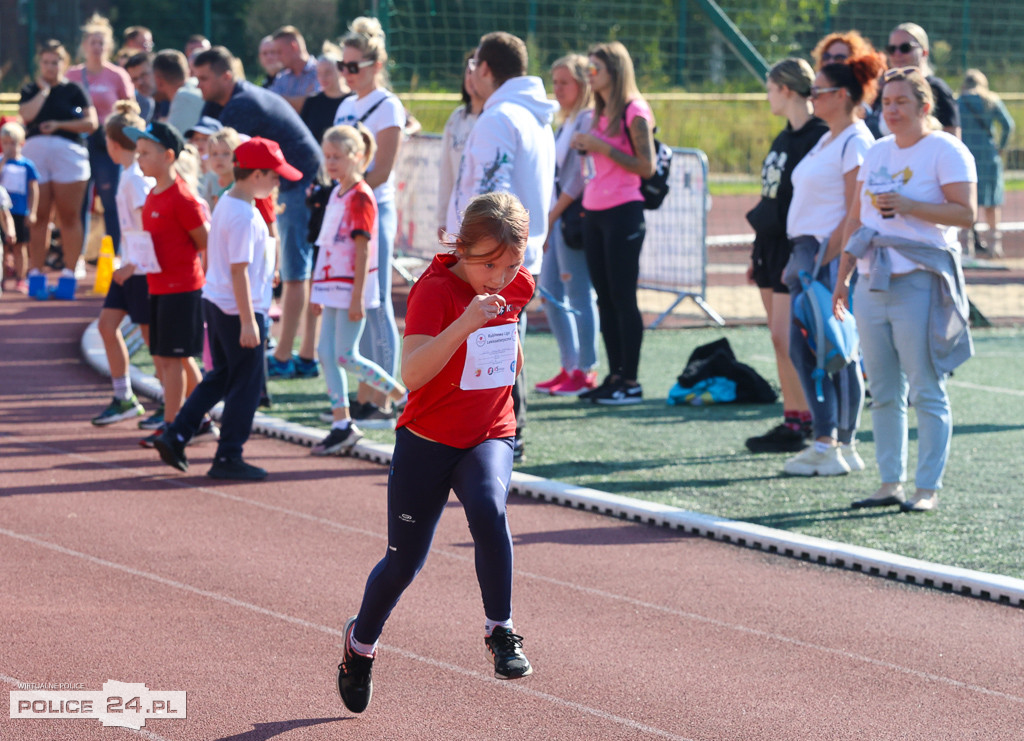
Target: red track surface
[116,567]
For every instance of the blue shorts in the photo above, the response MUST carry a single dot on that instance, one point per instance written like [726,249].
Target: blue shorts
[293,224]
[132,298]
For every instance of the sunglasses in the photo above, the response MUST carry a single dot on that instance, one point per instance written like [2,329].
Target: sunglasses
[826,58]
[593,69]
[353,68]
[905,48]
[899,73]
[817,91]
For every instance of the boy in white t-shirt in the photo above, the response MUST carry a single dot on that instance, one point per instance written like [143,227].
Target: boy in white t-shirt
[240,266]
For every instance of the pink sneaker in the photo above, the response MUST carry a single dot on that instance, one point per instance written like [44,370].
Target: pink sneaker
[545,387]
[578,382]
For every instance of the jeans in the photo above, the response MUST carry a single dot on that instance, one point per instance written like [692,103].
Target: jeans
[236,377]
[423,473]
[293,223]
[380,341]
[838,414]
[893,328]
[612,240]
[339,352]
[564,276]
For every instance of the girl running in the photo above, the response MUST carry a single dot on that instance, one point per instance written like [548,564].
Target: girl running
[345,280]
[460,358]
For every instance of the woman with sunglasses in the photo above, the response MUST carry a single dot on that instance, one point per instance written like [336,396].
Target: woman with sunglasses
[789,90]
[908,47]
[363,65]
[619,149]
[839,47]
[916,188]
[824,196]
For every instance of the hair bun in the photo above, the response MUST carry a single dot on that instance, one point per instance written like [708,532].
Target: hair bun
[368,27]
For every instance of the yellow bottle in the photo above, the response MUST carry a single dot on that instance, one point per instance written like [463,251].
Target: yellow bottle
[104,267]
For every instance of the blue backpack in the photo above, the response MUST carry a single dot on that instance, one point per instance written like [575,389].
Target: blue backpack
[835,343]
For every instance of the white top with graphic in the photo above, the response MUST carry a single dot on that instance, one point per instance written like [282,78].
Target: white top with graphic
[918,172]
[132,189]
[385,111]
[347,215]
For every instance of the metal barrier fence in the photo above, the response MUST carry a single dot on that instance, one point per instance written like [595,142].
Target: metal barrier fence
[674,256]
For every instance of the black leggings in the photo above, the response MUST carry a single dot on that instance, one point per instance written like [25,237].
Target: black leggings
[612,240]
[422,475]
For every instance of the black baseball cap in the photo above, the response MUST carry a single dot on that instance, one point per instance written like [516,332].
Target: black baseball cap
[162,133]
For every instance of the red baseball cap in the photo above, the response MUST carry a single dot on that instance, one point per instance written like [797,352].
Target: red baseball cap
[263,154]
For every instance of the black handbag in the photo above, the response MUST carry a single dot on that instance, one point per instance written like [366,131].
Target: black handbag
[571,223]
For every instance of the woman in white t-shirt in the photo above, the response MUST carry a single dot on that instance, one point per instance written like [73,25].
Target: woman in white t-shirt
[918,186]
[363,65]
[824,196]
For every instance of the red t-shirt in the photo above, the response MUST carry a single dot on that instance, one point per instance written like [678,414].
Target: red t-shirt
[169,216]
[441,410]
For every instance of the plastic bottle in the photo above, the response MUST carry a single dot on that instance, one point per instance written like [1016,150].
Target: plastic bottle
[104,267]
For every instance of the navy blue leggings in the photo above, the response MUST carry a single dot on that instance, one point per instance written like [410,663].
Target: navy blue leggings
[422,475]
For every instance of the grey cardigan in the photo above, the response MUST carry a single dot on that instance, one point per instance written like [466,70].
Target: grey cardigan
[949,333]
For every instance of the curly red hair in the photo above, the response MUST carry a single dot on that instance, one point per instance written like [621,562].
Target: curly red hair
[859,46]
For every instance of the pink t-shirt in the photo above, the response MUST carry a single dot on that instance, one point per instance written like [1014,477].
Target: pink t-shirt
[105,88]
[609,185]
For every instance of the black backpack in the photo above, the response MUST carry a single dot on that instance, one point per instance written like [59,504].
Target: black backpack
[655,188]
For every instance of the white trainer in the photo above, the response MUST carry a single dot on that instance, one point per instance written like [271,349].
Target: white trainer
[853,460]
[812,462]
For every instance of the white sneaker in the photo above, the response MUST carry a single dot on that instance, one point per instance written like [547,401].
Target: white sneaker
[811,462]
[80,268]
[849,453]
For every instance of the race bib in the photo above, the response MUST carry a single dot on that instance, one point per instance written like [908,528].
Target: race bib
[490,358]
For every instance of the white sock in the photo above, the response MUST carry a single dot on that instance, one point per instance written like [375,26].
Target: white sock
[821,447]
[366,649]
[490,625]
[341,424]
[122,387]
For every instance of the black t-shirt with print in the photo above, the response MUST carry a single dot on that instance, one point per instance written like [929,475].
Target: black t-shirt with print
[66,101]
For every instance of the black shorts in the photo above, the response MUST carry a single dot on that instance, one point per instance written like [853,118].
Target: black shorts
[176,325]
[769,259]
[131,297]
[20,228]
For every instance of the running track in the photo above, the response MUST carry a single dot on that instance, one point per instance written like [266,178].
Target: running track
[115,567]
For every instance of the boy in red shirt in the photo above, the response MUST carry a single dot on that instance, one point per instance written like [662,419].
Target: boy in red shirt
[175,220]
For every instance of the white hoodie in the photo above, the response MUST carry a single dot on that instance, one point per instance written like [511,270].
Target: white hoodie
[512,148]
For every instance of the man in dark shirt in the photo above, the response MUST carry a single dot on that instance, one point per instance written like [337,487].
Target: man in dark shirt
[251,110]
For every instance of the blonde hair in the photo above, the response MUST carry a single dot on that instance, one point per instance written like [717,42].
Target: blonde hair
[919,86]
[126,113]
[14,130]
[187,168]
[976,83]
[498,216]
[356,139]
[576,66]
[793,73]
[98,24]
[919,35]
[619,65]
[227,136]
[366,35]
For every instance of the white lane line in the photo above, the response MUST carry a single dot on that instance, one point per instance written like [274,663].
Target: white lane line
[980,387]
[569,585]
[141,732]
[569,704]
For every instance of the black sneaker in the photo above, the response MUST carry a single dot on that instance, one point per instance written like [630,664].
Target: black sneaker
[171,449]
[355,675]
[235,468]
[779,439]
[372,417]
[507,650]
[607,383]
[338,441]
[619,394]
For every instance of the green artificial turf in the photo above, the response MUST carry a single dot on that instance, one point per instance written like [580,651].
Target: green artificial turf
[694,457]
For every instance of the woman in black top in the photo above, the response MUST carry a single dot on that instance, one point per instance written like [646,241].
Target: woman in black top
[58,115]
[789,89]
[318,110]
